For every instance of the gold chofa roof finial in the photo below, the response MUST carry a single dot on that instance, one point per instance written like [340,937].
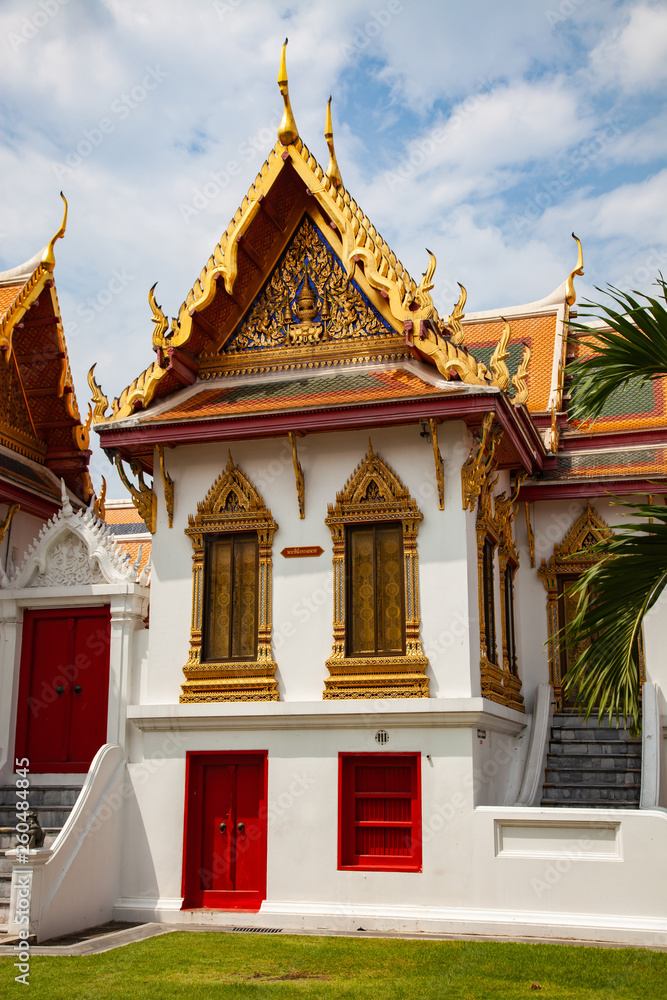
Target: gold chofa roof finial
[570,294]
[333,170]
[287,130]
[48,257]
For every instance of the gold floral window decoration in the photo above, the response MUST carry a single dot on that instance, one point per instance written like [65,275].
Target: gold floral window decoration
[571,558]
[230,640]
[495,516]
[377,652]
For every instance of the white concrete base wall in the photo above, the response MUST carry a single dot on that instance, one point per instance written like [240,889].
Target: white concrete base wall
[584,874]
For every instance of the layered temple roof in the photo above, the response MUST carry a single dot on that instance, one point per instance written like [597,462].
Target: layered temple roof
[304,317]
[42,436]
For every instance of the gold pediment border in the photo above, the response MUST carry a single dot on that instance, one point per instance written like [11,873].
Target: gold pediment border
[232,504]
[381,676]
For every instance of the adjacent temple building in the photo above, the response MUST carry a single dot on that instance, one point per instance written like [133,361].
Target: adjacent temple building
[334,697]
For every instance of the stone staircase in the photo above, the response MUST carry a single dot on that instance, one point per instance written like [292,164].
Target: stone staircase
[591,766]
[53,804]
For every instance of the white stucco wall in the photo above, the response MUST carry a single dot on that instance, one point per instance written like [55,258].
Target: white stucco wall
[302,587]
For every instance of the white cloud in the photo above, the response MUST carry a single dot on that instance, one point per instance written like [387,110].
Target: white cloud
[510,95]
[634,55]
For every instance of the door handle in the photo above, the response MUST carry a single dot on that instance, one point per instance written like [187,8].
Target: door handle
[241,827]
[60,689]
[223,828]
[77,689]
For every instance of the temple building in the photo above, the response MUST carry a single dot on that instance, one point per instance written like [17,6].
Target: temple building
[334,696]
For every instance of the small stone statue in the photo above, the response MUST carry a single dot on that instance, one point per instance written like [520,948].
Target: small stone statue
[35,832]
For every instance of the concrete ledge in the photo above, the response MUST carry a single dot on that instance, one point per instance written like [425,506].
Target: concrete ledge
[411,713]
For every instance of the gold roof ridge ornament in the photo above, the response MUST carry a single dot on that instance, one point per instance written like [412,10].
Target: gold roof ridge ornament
[48,257]
[333,170]
[570,294]
[160,320]
[287,130]
[499,358]
[519,380]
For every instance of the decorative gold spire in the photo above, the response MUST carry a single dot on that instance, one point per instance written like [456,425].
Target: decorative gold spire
[333,170]
[48,257]
[570,294]
[287,130]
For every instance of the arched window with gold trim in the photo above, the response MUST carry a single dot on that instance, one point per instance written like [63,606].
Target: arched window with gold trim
[377,652]
[570,559]
[495,516]
[230,639]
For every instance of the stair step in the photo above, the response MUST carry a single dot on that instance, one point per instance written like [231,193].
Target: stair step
[593,747]
[592,762]
[594,735]
[41,795]
[591,779]
[572,804]
[589,793]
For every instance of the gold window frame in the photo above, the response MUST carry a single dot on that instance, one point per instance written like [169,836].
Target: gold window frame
[374,494]
[495,516]
[232,505]
[572,557]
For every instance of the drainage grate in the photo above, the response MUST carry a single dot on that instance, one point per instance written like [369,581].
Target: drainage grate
[258,930]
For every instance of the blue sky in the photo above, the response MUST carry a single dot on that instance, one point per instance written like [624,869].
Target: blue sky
[485,131]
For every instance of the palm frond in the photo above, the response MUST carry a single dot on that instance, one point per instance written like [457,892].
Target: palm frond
[631,353]
[614,596]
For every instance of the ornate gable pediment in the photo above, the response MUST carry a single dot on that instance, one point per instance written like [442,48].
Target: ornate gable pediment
[373,488]
[308,300]
[74,549]
[231,504]
[572,555]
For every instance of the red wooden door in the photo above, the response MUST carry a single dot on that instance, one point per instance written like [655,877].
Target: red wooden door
[225,831]
[63,689]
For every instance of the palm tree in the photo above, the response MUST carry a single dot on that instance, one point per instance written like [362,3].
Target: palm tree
[617,592]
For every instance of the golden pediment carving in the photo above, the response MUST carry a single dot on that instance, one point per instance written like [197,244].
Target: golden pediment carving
[309,299]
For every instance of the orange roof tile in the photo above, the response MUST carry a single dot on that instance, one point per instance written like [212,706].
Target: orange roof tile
[538,332]
[8,295]
[314,391]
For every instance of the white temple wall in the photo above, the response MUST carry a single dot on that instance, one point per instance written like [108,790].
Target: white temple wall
[302,597]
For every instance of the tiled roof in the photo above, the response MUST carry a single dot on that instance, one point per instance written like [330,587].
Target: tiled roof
[537,332]
[121,530]
[612,463]
[633,408]
[8,294]
[315,391]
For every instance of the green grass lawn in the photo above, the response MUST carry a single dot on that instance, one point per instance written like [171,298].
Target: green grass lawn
[231,966]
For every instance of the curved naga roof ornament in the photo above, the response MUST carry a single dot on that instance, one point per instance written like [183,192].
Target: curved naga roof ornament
[570,294]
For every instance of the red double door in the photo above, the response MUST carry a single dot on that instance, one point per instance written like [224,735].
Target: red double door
[63,689]
[225,831]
